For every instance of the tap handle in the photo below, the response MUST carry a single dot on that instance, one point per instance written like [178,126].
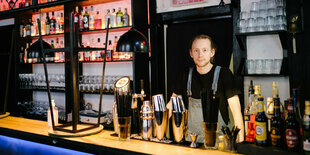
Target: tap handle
[141,83]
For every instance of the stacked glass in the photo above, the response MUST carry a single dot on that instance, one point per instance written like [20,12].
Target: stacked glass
[265,15]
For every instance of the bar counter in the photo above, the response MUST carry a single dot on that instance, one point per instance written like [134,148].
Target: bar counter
[102,142]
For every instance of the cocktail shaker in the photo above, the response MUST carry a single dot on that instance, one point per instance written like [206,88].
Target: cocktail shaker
[146,120]
[120,85]
[178,118]
[160,112]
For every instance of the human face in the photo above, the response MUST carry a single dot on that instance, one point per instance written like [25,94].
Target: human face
[202,52]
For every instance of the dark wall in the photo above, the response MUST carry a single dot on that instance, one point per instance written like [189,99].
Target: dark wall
[299,63]
[178,39]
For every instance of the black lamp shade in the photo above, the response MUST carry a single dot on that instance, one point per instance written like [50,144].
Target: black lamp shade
[132,41]
[34,49]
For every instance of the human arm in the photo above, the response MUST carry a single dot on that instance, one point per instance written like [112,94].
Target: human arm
[234,105]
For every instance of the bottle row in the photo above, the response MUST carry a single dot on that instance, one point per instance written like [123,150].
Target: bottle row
[93,20]
[282,125]
[9,5]
[34,56]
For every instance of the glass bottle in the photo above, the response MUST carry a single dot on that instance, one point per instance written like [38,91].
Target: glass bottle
[98,21]
[119,18]
[108,16]
[86,20]
[125,18]
[249,116]
[47,24]
[113,18]
[261,132]
[306,129]
[292,131]
[53,24]
[61,23]
[91,18]
[277,126]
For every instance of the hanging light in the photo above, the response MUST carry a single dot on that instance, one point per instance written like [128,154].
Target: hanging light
[132,41]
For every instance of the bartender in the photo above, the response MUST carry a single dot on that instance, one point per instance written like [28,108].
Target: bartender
[193,80]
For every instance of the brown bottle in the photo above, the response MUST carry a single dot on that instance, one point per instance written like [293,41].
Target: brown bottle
[277,126]
[292,131]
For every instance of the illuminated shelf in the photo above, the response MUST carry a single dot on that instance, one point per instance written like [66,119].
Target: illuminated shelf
[114,29]
[49,36]
[81,62]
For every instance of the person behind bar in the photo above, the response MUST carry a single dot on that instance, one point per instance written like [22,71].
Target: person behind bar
[202,51]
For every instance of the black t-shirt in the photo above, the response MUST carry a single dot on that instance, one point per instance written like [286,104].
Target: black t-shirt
[226,87]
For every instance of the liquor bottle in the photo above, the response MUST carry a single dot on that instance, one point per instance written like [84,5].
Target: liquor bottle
[98,53]
[109,50]
[115,55]
[26,53]
[57,22]
[21,29]
[86,20]
[47,24]
[125,18]
[113,18]
[21,4]
[119,18]
[87,53]
[61,54]
[91,18]
[57,53]
[33,27]
[108,16]
[93,53]
[249,116]
[81,22]
[257,92]
[76,15]
[53,24]
[261,132]
[285,112]
[61,23]
[28,27]
[306,129]
[98,21]
[296,101]
[277,126]
[27,3]
[292,128]
[43,25]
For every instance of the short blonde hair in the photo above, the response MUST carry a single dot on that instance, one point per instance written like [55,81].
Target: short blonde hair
[204,36]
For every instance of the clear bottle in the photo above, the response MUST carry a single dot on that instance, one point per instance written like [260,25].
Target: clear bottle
[49,115]
[126,18]
[91,19]
[107,17]
[57,22]
[81,22]
[98,21]
[33,28]
[119,18]
[113,18]
[115,54]
[28,27]
[61,23]
[47,24]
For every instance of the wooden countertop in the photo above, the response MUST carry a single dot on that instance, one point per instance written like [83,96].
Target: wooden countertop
[103,139]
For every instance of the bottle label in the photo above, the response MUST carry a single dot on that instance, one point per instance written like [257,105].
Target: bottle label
[125,21]
[307,145]
[76,19]
[119,20]
[85,20]
[275,137]
[291,138]
[261,131]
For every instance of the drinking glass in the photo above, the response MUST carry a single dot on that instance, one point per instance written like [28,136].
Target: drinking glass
[251,66]
[210,135]
[271,12]
[254,14]
[279,23]
[260,22]
[271,4]
[254,6]
[243,15]
[270,23]
[259,66]
[279,11]
[263,5]
[124,124]
[262,13]
[269,66]
[251,25]
[277,66]
[279,3]
[242,25]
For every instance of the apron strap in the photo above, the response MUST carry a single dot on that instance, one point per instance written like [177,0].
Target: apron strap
[216,78]
[189,82]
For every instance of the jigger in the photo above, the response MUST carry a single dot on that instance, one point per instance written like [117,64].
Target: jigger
[160,112]
[194,137]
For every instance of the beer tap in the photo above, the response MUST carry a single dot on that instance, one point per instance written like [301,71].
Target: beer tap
[136,96]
